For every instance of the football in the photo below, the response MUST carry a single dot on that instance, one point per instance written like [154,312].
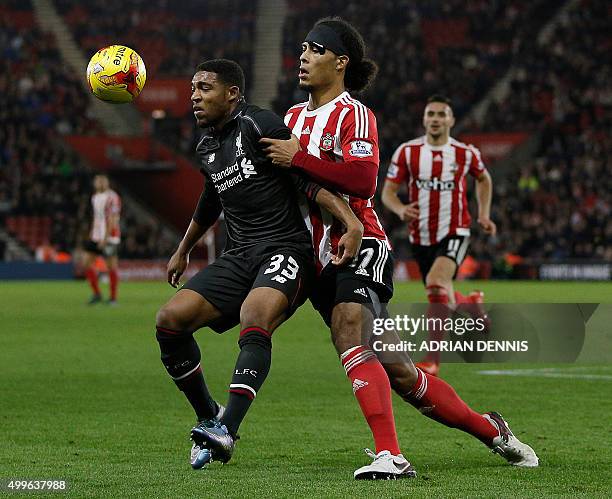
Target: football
[116,74]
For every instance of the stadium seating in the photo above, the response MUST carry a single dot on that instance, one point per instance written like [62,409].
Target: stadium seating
[171,38]
[44,186]
[558,206]
[555,206]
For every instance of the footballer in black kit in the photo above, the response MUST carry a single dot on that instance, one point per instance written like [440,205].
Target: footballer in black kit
[267,241]
[266,269]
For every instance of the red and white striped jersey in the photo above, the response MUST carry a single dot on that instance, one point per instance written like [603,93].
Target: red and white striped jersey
[436,178]
[104,205]
[342,130]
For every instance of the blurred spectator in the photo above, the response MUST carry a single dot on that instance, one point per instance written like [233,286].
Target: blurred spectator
[561,205]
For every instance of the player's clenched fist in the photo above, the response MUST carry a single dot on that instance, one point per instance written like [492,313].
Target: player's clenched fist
[487,225]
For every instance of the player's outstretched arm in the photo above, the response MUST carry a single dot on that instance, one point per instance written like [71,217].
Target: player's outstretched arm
[356,178]
[350,242]
[405,212]
[484,194]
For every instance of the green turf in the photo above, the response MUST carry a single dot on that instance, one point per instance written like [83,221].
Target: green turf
[83,397]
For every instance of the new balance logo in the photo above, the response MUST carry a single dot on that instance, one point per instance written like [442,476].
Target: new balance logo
[361,291]
[357,384]
[435,184]
[306,131]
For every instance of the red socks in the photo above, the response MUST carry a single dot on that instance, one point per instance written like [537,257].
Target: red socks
[459,298]
[437,400]
[92,277]
[113,276]
[438,308]
[373,391]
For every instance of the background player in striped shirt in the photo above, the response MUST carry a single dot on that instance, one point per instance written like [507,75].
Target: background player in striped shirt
[434,168]
[104,239]
[335,142]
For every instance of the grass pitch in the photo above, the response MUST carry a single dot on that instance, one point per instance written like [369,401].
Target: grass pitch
[83,397]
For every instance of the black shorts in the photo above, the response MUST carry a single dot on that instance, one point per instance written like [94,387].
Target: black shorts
[454,247]
[109,249]
[227,282]
[368,280]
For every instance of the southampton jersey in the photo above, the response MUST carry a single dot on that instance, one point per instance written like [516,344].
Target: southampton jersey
[341,130]
[436,178]
[104,205]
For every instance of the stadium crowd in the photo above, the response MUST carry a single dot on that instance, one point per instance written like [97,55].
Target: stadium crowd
[39,175]
[172,37]
[557,206]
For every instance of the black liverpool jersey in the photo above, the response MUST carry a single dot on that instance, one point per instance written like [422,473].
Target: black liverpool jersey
[258,199]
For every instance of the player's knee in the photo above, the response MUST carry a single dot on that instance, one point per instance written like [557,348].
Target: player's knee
[169,317]
[266,315]
[252,317]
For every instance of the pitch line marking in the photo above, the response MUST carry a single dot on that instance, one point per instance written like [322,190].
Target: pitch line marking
[550,372]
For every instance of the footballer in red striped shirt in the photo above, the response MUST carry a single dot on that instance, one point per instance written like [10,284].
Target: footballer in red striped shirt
[342,130]
[434,169]
[336,144]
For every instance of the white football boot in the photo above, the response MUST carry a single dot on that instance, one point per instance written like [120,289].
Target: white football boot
[385,466]
[508,446]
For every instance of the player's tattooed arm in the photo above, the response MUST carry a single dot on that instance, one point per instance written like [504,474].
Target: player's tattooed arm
[205,215]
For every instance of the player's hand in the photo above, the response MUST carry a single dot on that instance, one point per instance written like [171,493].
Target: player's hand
[281,152]
[348,246]
[487,225]
[176,266]
[410,212]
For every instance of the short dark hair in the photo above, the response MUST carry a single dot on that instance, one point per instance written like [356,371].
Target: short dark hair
[229,72]
[361,71]
[440,98]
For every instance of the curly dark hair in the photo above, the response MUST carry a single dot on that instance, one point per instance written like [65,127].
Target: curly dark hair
[361,71]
